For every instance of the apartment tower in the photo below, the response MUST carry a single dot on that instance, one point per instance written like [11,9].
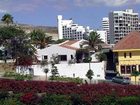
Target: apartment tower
[67,29]
[105,27]
[121,23]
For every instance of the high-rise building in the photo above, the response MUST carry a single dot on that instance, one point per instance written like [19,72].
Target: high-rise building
[105,27]
[121,23]
[67,29]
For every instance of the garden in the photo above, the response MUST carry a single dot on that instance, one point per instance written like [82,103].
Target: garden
[13,92]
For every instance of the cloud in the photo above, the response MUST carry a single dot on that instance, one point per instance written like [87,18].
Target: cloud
[32,5]
[20,5]
[137,0]
[111,3]
[58,5]
[3,11]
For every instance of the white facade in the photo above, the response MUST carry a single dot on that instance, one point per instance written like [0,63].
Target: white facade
[105,27]
[103,35]
[55,50]
[121,23]
[67,29]
[65,51]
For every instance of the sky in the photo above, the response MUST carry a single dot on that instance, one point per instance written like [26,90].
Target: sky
[83,12]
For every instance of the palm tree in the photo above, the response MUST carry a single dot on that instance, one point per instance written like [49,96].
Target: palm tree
[135,74]
[93,42]
[7,19]
[38,37]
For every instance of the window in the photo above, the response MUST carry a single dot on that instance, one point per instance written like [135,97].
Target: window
[124,55]
[45,57]
[128,69]
[139,68]
[98,75]
[63,57]
[122,69]
[133,68]
[130,54]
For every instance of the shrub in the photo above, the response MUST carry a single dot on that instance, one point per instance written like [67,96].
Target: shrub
[108,100]
[4,94]
[76,99]
[17,76]
[67,79]
[29,99]
[10,101]
[9,74]
[132,100]
[53,99]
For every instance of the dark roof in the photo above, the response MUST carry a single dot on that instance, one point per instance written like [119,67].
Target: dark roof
[130,41]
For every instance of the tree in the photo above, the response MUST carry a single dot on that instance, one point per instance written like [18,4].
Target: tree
[89,74]
[54,71]
[7,19]
[46,70]
[135,74]
[39,38]
[6,36]
[17,44]
[101,57]
[93,41]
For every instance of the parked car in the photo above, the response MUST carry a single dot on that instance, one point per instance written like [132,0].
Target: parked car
[121,80]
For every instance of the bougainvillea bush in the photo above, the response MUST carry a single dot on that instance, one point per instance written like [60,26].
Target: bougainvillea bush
[89,93]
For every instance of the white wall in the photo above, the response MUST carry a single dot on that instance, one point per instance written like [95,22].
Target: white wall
[68,70]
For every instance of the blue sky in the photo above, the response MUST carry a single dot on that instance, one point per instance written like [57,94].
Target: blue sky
[83,12]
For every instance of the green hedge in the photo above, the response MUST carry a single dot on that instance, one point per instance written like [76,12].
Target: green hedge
[17,76]
[67,79]
[112,100]
[133,100]
[11,101]
[53,99]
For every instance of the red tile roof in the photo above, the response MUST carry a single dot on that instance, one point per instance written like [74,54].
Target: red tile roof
[130,41]
[69,47]
[68,44]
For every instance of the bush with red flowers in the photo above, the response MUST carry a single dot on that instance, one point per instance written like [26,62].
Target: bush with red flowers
[29,99]
[89,93]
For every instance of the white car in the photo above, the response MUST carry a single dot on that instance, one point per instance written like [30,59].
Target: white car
[121,80]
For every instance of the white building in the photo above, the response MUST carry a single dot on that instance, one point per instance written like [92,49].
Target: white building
[121,23]
[67,29]
[65,51]
[105,27]
[103,35]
